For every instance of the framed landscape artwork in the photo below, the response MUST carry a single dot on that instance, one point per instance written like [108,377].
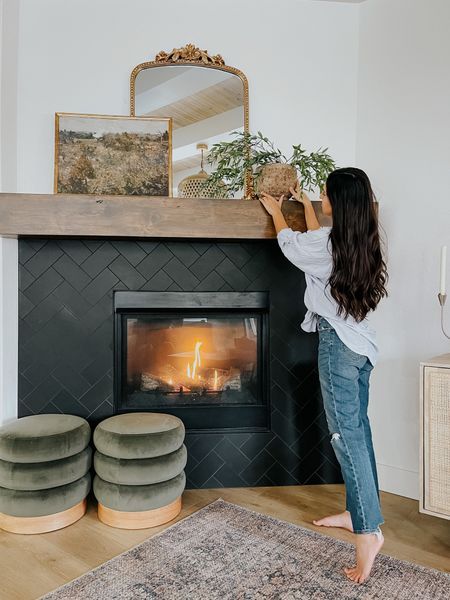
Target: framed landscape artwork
[99,154]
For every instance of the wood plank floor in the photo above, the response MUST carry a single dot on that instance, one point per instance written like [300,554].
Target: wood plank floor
[32,565]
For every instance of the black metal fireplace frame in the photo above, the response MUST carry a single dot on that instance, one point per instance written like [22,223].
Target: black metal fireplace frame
[254,418]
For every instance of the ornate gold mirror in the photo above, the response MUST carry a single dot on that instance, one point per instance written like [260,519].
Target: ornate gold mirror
[206,100]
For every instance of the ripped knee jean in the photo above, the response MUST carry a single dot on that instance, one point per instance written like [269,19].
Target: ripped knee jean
[344,382]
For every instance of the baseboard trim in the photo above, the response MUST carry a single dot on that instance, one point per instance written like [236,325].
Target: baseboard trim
[396,480]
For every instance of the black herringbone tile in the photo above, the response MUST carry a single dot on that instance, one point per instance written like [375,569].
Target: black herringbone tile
[180,274]
[43,259]
[257,467]
[201,247]
[71,272]
[25,305]
[98,314]
[72,300]
[102,411]
[284,427]
[26,251]
[72,381]
[97,394]
[204,444]
[65,403]
[253,446]
[92,245]
[98,287]
[42,394]
[24,386]
[25,278]
[126,273]
[100,259]
[233,456]
[208,261]
[131,251]
[77,250]
[154,261]
[283,377]
[37,243]
[100,366]
[43,312]
[43,286]
[232,275]
[283,453]
[160,282]
[278,475]
[184,251]
[203,470]
[148,247]
[211,283]
[288,404]
[226,476]
[235,252]
[65,346]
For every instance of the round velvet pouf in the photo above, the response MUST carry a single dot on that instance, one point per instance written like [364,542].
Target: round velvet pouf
[44,472]
[139,464]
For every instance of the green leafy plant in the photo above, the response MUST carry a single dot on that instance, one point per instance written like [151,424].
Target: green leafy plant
[244,157]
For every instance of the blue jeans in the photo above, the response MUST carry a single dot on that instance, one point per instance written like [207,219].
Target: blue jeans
[344,381]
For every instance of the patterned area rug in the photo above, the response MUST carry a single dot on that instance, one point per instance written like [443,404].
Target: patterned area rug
[227,552]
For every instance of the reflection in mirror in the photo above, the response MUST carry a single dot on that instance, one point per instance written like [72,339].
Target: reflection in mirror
[206,104]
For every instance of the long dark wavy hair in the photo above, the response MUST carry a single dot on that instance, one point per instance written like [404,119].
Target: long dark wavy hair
[359,274]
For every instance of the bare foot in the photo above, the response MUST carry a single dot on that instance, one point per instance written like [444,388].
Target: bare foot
[343,520]
[367,547]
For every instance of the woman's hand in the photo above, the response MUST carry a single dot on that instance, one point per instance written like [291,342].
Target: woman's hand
[299,194]
[271,204]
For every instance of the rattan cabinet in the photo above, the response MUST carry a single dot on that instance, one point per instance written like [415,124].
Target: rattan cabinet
[435,436]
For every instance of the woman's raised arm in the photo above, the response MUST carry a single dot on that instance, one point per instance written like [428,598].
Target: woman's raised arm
[310,216]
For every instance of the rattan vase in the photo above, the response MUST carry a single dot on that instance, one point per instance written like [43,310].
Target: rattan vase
[276,179]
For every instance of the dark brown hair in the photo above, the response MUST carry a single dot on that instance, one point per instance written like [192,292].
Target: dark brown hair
[359,274]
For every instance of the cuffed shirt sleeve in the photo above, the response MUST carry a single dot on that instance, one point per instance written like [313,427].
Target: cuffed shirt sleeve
[308,251]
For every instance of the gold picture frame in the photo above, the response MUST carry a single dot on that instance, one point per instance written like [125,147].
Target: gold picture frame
[112,155]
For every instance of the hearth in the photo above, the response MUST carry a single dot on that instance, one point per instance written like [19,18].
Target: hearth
[202,356]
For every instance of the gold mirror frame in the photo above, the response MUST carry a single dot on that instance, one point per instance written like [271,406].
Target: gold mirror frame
[192,55]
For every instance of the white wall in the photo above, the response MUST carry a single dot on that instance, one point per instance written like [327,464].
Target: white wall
[9,20]
[8,330]
[403,142]
[300,58]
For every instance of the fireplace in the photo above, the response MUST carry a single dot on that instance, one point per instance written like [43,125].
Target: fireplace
[73,291]
[202,356]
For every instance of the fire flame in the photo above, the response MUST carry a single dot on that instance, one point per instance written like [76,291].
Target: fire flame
[197,362]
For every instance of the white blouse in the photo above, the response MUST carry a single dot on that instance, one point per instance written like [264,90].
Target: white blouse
[311,252]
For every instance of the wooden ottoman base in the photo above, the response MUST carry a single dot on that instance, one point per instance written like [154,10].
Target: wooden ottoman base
[44,524]
[140,519]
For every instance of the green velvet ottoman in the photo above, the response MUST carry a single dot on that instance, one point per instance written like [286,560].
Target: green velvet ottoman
[139,464]
[44,472]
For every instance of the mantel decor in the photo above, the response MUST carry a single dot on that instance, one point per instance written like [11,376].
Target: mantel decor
[189,53]
[271,171]
[103,154]
[206,99]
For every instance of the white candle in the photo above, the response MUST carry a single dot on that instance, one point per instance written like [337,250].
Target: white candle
[443,268]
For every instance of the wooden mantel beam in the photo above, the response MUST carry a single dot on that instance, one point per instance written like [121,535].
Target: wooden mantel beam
[67,215]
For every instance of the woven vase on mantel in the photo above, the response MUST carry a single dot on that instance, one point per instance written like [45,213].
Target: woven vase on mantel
[276,179]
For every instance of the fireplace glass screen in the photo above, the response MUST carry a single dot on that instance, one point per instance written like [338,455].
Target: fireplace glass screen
[173,360]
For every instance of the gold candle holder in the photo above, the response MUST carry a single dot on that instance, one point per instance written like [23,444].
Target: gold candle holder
[442,298]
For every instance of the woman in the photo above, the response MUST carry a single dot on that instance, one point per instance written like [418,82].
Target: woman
[345,275]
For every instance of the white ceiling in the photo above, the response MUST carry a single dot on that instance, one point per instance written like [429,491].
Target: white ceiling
[347,1]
